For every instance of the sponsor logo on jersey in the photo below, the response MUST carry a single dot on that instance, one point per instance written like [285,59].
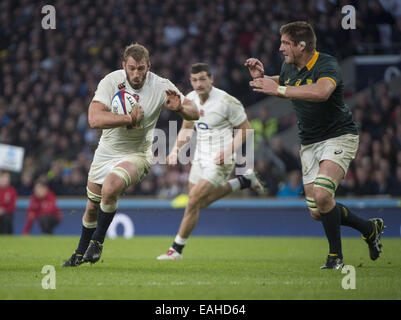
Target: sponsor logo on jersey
[202,125]
[338,151]
[202,112]
[121,86]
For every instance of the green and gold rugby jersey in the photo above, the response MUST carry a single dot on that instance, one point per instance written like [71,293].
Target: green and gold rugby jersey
[318,121]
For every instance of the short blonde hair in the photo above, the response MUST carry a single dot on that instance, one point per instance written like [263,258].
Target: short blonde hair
[137,52]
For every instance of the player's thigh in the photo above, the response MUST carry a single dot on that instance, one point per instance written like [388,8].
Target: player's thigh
[190,186]
[119,178]
[131,170]
[337,155]
[332,170]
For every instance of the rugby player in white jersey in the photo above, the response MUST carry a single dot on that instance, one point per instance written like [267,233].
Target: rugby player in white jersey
[213,161]
[123,156]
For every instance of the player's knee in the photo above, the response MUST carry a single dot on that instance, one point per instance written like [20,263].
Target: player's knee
[313,209]
[194,201]
[204,203]
[322,197]
[323,190]
[111,190]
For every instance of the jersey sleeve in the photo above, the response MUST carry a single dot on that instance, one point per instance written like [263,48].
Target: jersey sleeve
[329,70]
[235,110]
[104,92]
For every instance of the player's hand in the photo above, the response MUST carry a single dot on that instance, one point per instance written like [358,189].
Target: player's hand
[264,85]
[255,67]
[173,101]
[172,158]
[137,115]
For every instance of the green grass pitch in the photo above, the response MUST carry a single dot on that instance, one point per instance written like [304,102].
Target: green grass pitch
[213,268]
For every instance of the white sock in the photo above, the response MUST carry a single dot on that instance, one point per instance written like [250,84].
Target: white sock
[235,184]
[180,241]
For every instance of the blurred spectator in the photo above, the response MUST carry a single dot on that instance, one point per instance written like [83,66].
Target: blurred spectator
[42,207]
[293,187]
[290,161]
[395,185]
[25,187]
[8,199]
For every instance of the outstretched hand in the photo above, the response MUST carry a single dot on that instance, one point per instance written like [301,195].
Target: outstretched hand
[264,85]
[255,67]
[173,101]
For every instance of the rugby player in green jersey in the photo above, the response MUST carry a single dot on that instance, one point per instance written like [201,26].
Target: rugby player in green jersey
[328,134]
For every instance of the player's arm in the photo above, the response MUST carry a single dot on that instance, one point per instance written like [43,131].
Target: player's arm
[183,137]
[186,109]
[314,92]
[243,131]
[100,117]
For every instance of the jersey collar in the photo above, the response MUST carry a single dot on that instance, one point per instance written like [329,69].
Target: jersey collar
[312,61]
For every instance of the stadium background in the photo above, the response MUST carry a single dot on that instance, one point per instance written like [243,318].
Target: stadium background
[48,77]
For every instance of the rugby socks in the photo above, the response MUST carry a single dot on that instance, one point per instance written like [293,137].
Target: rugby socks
[235,184]
[331,223]
[105,217]
[179,244]
[86,236]
[239,183]
[350,219]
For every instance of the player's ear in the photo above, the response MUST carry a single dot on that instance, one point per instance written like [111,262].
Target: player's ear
[123,64]
[302,45]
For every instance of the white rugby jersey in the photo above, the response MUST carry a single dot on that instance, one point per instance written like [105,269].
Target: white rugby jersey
[218,116]
[151,97]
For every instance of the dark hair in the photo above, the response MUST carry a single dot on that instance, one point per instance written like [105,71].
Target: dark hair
[300,31]
[199,67]
[137,52]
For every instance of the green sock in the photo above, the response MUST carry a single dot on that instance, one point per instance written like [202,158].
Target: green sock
[350,219]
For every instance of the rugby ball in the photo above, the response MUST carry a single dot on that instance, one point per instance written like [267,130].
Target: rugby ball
[122,102]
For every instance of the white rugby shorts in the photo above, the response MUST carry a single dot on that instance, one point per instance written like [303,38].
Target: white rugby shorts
[341,150]
[105,160]
[215,174]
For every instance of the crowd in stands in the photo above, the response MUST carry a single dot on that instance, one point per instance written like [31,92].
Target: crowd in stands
[48,78]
